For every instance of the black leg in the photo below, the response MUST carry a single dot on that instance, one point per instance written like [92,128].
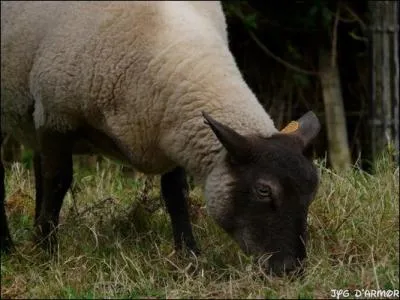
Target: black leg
[5,239]
[55,172]
[174,189]
[38,184]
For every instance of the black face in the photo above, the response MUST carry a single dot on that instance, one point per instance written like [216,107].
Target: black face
[261,193]
[270,198]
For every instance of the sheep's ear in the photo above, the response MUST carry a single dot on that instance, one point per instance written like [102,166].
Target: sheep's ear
[238,146]
[306,128]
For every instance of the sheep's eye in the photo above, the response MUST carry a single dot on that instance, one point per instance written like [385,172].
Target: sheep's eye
[264,191]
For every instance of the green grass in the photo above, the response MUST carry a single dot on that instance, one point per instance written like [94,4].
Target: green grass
[115,241]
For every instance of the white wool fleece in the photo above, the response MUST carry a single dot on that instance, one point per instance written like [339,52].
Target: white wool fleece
[140,72]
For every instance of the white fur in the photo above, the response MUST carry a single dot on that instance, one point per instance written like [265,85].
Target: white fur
[140,72]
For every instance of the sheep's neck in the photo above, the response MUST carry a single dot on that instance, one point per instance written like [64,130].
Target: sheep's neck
[191,143]
[170,92]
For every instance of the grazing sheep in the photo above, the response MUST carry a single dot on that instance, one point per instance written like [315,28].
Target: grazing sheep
[155,85]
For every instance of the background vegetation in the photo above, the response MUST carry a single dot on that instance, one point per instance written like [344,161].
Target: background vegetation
[286,49]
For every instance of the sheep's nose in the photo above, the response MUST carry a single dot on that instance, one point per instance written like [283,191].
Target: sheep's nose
[288,265]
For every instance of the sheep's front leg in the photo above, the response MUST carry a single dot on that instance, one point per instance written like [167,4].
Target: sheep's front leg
[37,166]
[174,189]
[5,238]
[53,171]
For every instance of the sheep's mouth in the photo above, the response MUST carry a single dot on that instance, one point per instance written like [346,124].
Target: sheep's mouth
[288,266]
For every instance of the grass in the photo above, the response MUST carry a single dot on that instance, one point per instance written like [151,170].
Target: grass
[115,241]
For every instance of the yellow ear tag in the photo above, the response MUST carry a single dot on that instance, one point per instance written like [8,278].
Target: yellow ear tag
[291,127]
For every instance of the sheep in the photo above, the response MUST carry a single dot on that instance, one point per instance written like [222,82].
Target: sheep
[155,85]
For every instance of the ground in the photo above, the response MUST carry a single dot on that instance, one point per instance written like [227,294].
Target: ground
[116,241]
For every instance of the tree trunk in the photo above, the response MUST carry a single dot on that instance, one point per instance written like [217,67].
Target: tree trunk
[385,76]
[339,153]
[396,66]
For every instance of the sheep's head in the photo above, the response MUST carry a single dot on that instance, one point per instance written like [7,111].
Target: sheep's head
[259,193]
